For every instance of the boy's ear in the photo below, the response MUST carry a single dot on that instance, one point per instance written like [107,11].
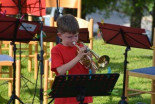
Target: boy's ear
[59,35]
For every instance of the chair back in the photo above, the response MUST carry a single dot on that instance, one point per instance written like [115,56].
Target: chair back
[87,24]
[74,4]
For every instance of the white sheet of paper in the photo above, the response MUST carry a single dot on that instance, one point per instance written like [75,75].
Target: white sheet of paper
[28,27]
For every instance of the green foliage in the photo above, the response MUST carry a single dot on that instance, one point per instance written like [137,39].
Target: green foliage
[123,6]
[90,6]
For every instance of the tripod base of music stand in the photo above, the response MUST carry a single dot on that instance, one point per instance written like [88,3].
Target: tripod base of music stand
[13,97]
[81,95]
[80,99]
[122,102]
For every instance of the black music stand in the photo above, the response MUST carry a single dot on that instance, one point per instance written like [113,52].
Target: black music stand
[80,86]
[124,36]
[14,30]
[20,7]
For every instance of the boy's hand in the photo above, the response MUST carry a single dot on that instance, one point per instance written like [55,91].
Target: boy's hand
[82,52]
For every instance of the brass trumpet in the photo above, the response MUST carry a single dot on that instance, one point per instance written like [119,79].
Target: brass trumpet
[102,61]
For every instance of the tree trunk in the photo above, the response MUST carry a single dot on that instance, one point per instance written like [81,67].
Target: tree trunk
[136,15]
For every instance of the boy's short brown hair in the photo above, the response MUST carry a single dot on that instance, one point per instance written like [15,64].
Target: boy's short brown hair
[67,23]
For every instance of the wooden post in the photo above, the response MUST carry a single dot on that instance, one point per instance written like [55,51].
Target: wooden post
[153,90]
[35,60]
[46,82]
[91,33]
[17,79]
[126,85]
[10,81]
[30,58]
[30,50]
[51,43]
[79,9]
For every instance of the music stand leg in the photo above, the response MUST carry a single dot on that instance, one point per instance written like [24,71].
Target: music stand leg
[25,82]
[41,65]
[22,77]
[123,101]
[51,101]
[81,95]
[80,98]
[14,96]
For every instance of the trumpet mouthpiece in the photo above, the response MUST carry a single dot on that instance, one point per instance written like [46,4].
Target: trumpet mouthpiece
[74,43]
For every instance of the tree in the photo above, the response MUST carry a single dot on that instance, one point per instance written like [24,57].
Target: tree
[135,9]
[90,6]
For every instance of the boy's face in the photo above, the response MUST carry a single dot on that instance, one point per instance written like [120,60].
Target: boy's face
[68,38]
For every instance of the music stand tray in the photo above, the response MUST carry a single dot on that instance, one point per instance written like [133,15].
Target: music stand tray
[83,85]
[124,36]
[51,33]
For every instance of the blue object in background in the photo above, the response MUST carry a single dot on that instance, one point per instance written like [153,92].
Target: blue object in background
[109,70]
[90,72]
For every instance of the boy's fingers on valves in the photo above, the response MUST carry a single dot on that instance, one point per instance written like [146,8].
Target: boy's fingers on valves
[82,51]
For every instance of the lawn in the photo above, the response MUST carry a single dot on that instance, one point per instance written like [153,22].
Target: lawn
[137,58]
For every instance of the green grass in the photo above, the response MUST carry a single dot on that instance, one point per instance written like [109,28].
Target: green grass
[137,58]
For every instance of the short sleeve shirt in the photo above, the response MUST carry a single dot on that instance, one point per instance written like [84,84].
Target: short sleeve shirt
[61,55]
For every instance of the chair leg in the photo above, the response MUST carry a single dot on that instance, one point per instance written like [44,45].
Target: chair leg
[45,50]
[17,80]
[153,90]
[35,61]
[126,85]
[46,82]
[51,81]
[91,34]
[10,81]
[30,58]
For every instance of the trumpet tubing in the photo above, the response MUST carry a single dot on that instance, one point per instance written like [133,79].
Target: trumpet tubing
[102,61]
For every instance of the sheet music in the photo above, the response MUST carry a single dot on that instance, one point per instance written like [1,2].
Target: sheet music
[28,27]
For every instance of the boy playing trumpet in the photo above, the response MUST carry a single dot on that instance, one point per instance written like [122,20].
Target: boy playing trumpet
[65,58]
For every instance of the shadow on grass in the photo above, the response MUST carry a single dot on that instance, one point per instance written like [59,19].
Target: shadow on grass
[118,67]
[139,98]
[3,100]
[115,67]
[135,99]
[116,95]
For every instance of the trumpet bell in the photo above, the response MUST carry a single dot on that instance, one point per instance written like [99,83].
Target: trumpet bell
[103,61]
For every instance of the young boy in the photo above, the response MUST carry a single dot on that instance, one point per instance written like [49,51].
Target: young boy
[65,57]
